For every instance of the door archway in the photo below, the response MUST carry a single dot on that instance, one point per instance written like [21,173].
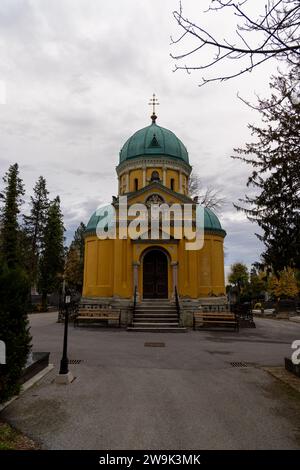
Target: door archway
[155,275]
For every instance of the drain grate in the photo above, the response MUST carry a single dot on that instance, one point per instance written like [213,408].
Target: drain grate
[238,364]
[74,361]
[154,345]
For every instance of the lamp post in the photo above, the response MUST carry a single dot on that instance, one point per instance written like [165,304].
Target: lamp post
[65,376]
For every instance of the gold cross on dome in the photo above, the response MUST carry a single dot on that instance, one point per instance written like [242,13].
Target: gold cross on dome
[153,102]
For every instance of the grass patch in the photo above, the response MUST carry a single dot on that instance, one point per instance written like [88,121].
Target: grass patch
[11,439]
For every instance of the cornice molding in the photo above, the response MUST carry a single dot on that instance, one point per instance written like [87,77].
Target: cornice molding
[146,162]
[216,232]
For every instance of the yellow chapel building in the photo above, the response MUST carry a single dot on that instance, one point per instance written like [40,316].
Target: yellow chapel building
[154,168]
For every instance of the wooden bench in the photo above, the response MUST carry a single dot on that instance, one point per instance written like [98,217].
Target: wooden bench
[212,319]
[96,314]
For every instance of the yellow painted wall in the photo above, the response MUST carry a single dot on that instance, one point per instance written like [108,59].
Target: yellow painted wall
[184,184]
[98,267]
[172,174]
[149,172]
[123,276]
[122,184]
[135,174]
[138,174]
[108,267]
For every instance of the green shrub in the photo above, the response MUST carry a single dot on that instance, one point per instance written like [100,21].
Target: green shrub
[14,328]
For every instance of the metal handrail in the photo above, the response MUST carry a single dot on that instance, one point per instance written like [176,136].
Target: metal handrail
[134,304]
[177,304]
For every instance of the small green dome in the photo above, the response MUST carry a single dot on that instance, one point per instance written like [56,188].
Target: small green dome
[153,140]
[211,221]
[92,224]
[105,214]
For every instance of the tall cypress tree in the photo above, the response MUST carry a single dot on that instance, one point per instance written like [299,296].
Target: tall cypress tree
[51,265]
[14,329]
[275,158]
[34,225]
[12,199]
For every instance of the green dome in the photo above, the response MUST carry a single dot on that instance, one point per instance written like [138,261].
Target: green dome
[153,140]
[211,221]
[105,213]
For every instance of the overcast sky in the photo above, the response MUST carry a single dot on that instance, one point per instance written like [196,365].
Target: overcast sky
[79,75]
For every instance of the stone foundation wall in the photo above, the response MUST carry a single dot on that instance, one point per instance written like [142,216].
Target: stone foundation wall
[124,305]
[187,307]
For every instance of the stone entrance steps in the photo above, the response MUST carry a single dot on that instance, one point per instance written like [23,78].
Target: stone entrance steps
[156,316]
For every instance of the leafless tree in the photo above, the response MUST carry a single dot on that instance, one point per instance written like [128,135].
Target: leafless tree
[273,33]
[207,196]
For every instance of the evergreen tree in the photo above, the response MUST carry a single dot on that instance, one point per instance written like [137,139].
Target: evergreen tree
[34,225]
[275,158]
[51,265]
[12,199]
[14,329]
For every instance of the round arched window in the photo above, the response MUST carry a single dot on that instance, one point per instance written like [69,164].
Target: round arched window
[155,176]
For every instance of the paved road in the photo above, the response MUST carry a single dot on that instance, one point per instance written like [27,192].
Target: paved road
[185,395]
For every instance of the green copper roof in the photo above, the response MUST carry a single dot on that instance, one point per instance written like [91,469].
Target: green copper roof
[153,140]
[211,221]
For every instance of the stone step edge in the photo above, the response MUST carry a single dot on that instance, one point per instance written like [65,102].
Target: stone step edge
[157,330]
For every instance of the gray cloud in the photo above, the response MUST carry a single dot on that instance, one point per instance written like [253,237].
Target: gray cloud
[79,75]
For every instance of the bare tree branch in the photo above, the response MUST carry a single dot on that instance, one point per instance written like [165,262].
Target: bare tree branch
[276,34]
[209,196]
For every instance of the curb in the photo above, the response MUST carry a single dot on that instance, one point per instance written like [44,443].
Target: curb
[28,384]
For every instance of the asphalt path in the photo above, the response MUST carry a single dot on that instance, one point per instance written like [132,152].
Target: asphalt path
[202,390]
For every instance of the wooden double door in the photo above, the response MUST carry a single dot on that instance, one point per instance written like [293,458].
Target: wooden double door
[155,275]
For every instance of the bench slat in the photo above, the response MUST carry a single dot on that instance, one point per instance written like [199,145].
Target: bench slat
[214,317]
[225,322]
[93,310]
[214,313]
[87,314]
[86,317]
[99,314]
[222,319]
